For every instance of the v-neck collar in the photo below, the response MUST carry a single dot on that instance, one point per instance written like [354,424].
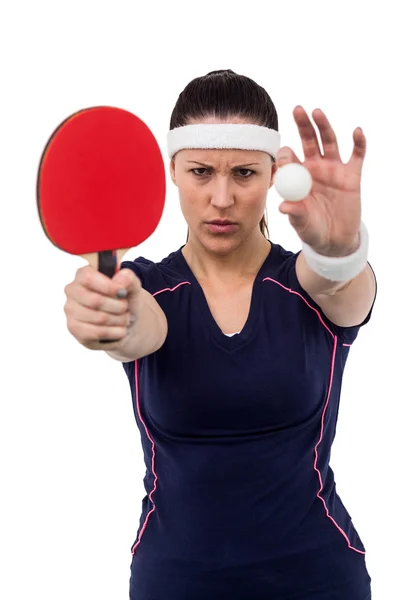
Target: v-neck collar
[250,327]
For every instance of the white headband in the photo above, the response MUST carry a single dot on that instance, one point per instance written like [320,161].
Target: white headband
[240,136]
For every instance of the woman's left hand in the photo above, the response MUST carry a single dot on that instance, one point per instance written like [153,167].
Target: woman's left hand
[329,218]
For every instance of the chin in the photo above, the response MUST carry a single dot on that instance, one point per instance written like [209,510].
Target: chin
[221,244]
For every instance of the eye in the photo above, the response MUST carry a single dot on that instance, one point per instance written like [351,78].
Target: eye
[203,169]
[243,173]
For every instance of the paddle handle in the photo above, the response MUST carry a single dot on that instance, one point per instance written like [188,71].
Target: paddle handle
[107,262]
[108,266]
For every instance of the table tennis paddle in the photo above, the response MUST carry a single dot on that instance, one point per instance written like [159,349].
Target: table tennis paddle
[101,185]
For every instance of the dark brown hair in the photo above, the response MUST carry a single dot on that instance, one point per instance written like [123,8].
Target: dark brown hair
[223,94]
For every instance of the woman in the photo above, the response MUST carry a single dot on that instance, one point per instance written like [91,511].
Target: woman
[235,349]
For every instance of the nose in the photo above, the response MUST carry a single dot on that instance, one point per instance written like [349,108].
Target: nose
[221,193]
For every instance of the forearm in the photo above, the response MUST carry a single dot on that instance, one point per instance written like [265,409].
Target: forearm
[317,270]
[147,333]
[315,285]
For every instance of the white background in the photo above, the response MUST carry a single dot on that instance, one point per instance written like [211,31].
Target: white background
[70,458]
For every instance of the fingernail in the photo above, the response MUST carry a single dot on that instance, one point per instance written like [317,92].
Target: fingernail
[122,293]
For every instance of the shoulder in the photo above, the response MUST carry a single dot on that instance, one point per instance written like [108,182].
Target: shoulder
[154,274]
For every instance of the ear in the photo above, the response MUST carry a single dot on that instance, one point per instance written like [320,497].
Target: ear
[172,170]
[274,169]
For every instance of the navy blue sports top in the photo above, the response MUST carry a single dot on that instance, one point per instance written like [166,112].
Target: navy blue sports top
[241,502]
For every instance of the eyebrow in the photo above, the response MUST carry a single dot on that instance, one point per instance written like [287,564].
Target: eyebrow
[196,162]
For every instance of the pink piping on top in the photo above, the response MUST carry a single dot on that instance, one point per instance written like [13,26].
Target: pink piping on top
[324,411]
[322,419]
[147,431]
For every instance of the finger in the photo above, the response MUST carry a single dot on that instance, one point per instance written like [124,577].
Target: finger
[359,150]
[95,301]
[286,156]
[307,133]
[95,317]
[95,281]
[127,280]
[328,136]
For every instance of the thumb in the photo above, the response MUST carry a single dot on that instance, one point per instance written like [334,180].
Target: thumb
[128,281]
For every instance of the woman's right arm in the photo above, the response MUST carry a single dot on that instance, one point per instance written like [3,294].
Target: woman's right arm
[136,324]
[146,334]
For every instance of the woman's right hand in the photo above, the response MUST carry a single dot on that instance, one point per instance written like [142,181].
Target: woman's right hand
[94,311]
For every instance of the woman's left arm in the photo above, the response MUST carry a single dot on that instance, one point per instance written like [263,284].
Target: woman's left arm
[346,304]
[328,220]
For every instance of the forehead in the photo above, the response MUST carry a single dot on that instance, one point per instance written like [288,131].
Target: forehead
[224,156]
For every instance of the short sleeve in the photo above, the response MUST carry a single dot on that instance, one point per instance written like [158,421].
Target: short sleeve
[140,266]
[347,335]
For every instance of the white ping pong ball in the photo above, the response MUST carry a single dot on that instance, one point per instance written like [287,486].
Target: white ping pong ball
[293,182]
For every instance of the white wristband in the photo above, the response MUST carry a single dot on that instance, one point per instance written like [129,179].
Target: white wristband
[343,268]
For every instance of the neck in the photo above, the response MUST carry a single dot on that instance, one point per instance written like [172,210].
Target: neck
[227,267]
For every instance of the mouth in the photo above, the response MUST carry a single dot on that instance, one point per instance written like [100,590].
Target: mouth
[221,226]
[220,222]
